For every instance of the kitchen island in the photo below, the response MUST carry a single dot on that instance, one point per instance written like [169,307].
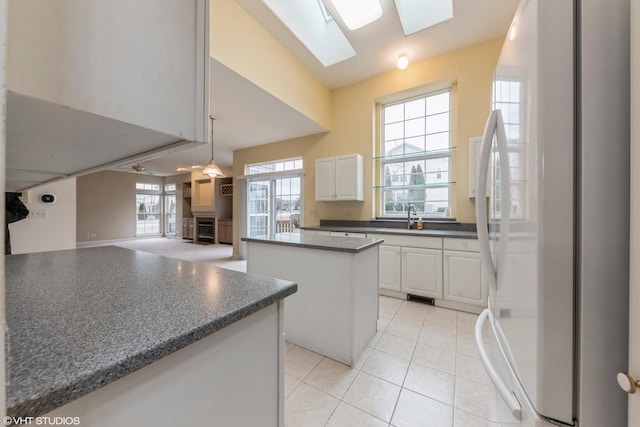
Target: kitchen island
[121,337]
[335,311]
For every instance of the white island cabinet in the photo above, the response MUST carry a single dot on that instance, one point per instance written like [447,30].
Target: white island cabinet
[335,311]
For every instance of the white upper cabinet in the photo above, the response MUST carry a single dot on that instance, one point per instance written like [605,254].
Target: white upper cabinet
[325,179]
[340,178]
[92,82]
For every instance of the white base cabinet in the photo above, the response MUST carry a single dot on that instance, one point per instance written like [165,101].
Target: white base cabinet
[390,267]
[410,265]
[462,278]
[422,272]
[445,269]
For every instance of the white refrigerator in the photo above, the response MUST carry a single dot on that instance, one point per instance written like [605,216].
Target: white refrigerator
[554,232]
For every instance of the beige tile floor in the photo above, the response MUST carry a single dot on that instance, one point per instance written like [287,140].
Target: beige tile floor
[421,369]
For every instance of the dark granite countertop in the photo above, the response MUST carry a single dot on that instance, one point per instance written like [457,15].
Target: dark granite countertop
[80,319]
[329,243]
[461,234]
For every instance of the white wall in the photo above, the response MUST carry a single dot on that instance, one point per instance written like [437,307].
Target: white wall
[107,205]
[93,56]
[57,230]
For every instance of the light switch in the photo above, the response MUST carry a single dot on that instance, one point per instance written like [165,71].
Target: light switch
[42,214]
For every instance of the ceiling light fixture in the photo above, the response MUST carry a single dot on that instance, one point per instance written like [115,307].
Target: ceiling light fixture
[212,169]
[357,13]
[403,61]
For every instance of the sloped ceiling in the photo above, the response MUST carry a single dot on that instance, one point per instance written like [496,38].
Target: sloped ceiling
[248,116]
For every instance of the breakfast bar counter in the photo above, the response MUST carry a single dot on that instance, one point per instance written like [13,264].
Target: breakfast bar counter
[107,333]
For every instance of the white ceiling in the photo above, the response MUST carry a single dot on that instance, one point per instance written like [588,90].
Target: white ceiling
[248,116]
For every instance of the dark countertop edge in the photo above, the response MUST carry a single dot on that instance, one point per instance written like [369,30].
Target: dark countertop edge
[361,248]
[397,231]
[93,381]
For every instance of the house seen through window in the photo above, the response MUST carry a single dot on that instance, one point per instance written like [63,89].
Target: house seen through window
[415,156]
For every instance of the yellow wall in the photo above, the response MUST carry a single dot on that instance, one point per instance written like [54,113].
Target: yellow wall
[244,46]
[353,128]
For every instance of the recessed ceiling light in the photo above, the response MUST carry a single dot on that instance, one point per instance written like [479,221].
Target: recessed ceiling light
[357,13]
[402,62]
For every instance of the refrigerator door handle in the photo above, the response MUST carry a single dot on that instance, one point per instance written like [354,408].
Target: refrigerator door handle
[506,394]
[495,125]
[481,200]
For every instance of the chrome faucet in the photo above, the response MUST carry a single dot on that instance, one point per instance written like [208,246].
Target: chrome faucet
[409,222]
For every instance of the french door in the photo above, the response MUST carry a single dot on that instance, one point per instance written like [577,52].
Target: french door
[274,206]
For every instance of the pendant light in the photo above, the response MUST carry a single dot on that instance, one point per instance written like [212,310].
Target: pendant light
[212,169]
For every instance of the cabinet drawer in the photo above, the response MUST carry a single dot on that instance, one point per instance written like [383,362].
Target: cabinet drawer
[465,245]
[413,241]
[316,232]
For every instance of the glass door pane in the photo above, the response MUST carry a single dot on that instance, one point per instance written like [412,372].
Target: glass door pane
[170,216]
[287,215]
[147,214]
[259,208]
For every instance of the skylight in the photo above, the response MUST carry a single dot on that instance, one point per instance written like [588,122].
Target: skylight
[322,37]
[357,13]
[416,15]
[325,12]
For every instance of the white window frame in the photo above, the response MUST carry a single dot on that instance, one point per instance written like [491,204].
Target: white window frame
[420,156]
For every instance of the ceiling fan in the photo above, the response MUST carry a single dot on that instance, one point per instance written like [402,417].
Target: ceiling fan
[139,168]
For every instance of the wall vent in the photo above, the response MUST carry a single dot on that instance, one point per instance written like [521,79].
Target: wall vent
[424,300]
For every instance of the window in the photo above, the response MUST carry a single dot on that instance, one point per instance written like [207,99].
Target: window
[148,209]
[274,197]
[150,187]
[277,166]
[415,155]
